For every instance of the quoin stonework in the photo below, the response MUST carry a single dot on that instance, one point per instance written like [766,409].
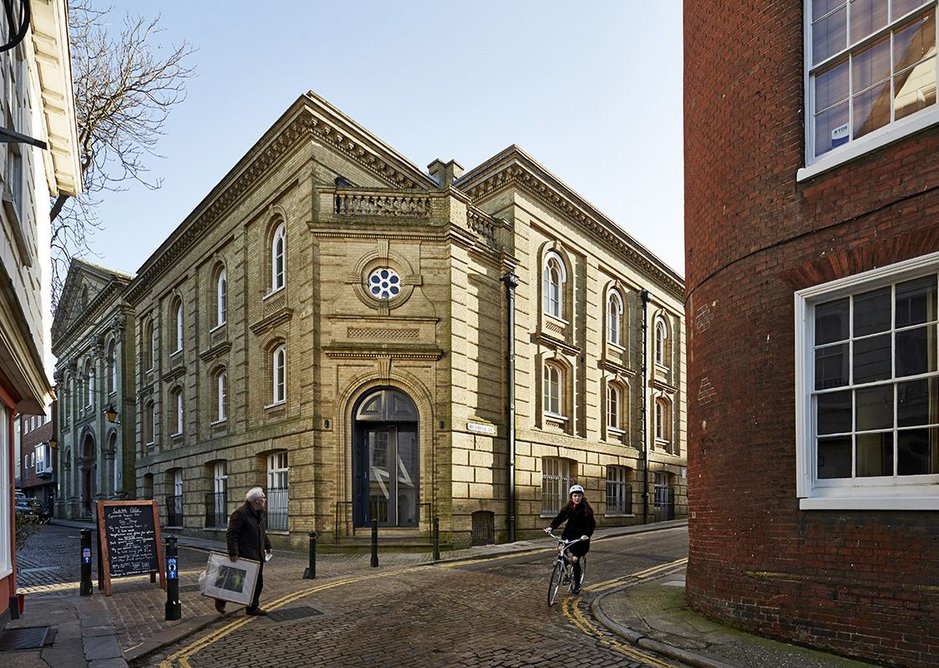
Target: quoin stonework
[333,323]
[812,278]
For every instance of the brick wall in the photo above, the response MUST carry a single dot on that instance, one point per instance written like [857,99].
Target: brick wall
[858,583]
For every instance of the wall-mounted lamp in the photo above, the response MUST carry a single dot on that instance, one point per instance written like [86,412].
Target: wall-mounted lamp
[53,442]
[111,414]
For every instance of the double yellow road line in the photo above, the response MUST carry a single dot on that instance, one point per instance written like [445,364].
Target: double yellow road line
[181,658]
[574,614]
[639,575]
[571,611]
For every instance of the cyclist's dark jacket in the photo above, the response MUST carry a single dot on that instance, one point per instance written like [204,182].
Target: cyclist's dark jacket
[579,523]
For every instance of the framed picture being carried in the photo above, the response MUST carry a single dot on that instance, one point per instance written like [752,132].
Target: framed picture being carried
[230,580]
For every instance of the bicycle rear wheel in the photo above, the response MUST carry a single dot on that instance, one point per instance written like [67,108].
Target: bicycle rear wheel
[555,582]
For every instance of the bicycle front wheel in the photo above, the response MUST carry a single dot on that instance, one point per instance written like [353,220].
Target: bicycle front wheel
[555,583]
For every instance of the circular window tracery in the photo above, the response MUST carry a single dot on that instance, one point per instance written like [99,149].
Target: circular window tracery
[384,283]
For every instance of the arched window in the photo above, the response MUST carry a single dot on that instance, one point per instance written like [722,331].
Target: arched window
[176,402]
[553,390]
[663,420]
[555,276]
[278,257]
[221,395]
[146,424]
[279,374]
[89,384]
[614,407]
[614,318]
[69,403]
[112,367]
[661,342]
[146,345]
[221,297]
[178,310]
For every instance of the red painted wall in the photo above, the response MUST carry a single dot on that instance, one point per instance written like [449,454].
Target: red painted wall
[8,584]
[859,583]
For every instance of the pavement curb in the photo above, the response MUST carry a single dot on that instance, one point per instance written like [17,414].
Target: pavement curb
[638,639]
[170,637]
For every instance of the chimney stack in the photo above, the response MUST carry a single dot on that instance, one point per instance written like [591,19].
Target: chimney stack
[445,174]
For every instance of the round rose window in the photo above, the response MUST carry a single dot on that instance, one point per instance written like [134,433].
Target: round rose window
[384,283]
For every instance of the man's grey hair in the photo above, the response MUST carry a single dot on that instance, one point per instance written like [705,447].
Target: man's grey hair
[254,493]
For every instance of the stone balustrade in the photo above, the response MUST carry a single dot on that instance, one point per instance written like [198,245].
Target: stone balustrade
[365,203]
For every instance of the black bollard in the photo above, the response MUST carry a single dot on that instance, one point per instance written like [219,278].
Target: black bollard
[310,572]
[86,587]
[173,608]
[374,543]
[436,539]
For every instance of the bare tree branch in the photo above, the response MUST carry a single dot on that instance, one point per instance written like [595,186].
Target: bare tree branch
[124,91]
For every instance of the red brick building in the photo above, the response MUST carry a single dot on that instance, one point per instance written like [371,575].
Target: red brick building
[37,457]
[812,274]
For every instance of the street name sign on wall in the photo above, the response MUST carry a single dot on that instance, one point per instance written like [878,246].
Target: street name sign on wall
[129,541]
[480,428]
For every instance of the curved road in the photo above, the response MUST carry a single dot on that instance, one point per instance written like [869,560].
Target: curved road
[488,612]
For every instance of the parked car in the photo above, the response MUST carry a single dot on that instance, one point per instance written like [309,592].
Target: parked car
[28,506]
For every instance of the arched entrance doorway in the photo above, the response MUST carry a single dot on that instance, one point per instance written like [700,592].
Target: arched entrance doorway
[385,460]
[86,466]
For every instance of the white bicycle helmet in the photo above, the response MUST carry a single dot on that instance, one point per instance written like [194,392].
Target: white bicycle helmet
[574,488]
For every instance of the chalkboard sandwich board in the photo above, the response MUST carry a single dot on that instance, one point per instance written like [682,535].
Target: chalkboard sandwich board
[129,535]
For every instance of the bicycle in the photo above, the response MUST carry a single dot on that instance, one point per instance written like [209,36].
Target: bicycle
[563,572]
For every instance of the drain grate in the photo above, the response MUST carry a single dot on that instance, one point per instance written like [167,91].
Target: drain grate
[28,638]
[289,614]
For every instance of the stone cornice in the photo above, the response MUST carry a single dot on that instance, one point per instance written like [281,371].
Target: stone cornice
[267,323]
[309,118]
[664,387]
[514,168]
[556,344]
[215,351]
[62,335]
[92,314]
[383,350]
[609,365]
[174,373]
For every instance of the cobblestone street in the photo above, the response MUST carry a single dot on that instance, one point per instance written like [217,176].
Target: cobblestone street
[445,616]
[482,612]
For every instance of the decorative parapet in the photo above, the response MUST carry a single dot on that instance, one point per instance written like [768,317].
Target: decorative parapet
[483,225]
[382,203]
[514,168]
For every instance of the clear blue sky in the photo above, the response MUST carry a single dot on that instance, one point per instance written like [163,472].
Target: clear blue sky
[590,89]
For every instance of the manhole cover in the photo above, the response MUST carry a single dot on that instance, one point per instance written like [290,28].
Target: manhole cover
[194,587]
[28,638]
[288,614]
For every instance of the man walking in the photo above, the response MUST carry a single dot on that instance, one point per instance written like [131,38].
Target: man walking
[247,537]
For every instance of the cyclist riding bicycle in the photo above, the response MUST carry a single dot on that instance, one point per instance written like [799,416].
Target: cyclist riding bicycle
[580,524]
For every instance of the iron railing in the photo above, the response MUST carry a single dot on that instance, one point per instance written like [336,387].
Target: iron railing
[664,504]
[619,499]
[174,511]
[216,510]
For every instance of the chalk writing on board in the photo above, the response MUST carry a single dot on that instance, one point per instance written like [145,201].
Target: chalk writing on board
[132,541]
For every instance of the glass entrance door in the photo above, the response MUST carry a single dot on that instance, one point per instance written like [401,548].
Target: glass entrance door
[392,475]
[386,461]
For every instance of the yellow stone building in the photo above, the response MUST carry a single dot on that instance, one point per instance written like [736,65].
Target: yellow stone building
[333,324]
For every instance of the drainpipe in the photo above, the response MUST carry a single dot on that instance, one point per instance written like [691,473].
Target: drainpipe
[511,282]
[645,296]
